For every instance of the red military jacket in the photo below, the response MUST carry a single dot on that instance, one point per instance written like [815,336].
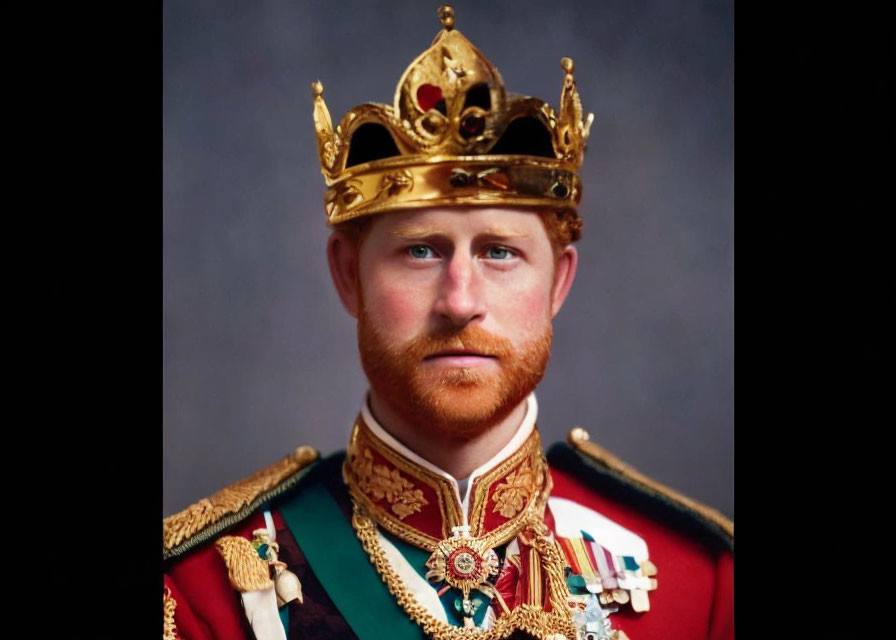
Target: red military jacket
[312,506]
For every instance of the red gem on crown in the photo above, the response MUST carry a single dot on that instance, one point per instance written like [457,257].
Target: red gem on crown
[428,95]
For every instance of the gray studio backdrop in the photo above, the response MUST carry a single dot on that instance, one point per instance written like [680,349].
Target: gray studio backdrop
[259,356]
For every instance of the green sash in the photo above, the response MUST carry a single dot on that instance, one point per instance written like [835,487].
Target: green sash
[329,543]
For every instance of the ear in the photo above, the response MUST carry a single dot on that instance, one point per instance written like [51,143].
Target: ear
[564,274]
[342,256]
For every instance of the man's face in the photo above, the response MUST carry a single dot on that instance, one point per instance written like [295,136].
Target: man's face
[454,313]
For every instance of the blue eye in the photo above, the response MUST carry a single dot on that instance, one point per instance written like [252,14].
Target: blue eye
[421,252]
[499,253]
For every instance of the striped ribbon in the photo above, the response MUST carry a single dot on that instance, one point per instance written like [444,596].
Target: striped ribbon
[589,559]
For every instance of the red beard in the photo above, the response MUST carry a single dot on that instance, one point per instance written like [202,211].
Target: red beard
[460,402]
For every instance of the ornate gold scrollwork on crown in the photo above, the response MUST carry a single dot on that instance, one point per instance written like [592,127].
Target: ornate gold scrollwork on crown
[451,116]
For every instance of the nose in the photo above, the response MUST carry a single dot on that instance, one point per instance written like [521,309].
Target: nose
[460,299]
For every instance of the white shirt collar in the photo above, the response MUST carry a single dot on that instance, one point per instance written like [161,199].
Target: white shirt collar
[523,432]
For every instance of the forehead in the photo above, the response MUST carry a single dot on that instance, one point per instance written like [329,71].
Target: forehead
[459,222]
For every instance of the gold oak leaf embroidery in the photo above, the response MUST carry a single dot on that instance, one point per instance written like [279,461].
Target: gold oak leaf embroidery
[379,482]
[511,495]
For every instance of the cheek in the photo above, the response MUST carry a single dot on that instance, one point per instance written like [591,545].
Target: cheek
[525,309]
[397,310]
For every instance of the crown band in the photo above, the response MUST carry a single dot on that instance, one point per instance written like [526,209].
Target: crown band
[444,181]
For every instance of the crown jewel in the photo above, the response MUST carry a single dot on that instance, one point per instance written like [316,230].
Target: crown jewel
[453,136]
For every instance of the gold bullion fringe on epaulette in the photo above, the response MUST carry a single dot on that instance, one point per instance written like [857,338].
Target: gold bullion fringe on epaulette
[187,523]
[579,439]
[245,568]
[169,629]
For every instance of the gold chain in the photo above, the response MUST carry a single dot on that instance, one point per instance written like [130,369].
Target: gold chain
[527,617]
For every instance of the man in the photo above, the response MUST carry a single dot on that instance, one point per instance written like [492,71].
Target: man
[453,216]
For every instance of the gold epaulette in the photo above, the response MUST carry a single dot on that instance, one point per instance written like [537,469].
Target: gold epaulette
[580,440]
[198,522]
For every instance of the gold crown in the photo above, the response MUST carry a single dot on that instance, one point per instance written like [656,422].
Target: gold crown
[452,137]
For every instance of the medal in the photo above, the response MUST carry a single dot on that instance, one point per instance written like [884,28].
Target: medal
[464,563]
[593,621]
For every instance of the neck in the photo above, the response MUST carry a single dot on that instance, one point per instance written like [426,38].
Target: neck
[459,457]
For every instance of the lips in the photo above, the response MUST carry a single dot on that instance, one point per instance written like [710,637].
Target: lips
[448,353]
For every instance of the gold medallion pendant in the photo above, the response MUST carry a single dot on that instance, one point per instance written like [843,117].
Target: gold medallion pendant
[464,563]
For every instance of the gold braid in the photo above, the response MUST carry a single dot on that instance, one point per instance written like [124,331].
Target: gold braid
[169,629]
[554,562]
[539,623]
[185,524]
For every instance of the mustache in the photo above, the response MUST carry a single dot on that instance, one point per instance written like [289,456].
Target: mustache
[470,338]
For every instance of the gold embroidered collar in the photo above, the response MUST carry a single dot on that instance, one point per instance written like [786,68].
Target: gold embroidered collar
[421,504]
